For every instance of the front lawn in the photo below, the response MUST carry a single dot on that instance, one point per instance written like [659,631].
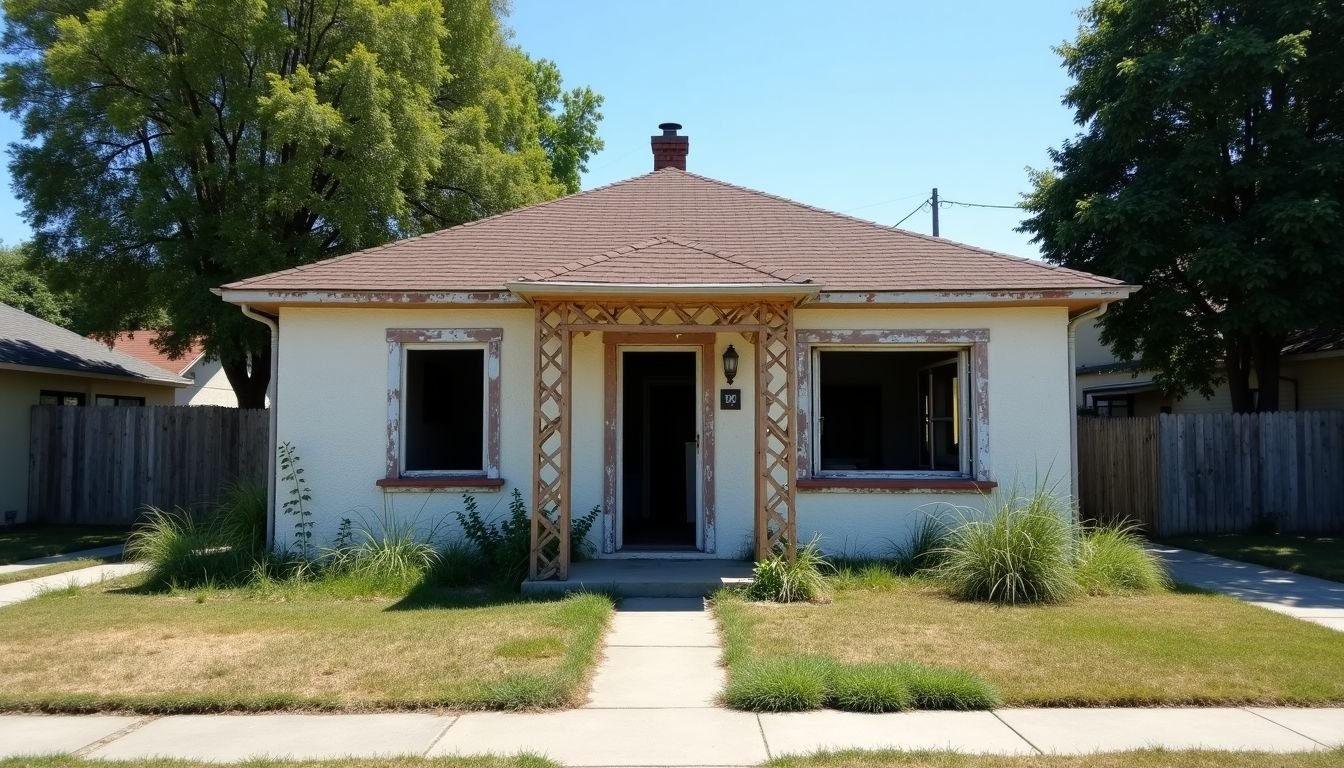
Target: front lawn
[26,542]
[1142,759]
[1321,556]
[116,647]
[1167,648]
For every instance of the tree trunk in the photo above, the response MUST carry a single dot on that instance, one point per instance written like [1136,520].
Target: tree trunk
[1238,365]
[1268,366]
[250,376]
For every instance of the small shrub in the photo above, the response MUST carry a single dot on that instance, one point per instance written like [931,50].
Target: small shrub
[781,580]
[870,688]
[927,546]
[506,544]
[1023,553]
[788,684]
[944,688]
[186,550]
[1114,560]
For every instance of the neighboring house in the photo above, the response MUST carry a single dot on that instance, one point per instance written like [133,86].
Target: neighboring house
[44,364]
[1312,378]
[209,385]
[716,369]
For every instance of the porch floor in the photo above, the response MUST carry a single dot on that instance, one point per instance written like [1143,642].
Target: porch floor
[651,577]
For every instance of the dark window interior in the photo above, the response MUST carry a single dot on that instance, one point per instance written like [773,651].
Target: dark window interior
[445,410]
[55,397]
[118,400]
[888,411]
[659,451]
[1113,406]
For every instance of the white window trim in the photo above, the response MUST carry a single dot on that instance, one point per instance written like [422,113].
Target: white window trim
[402,340]
[972,346]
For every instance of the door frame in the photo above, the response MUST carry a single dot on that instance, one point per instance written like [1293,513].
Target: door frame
[703,345]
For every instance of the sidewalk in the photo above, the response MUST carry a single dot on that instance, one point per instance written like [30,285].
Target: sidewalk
[689,736]
[113,550]
[1302,597]
[25,590]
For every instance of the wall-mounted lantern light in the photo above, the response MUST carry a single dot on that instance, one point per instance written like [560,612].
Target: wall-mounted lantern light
[730,363]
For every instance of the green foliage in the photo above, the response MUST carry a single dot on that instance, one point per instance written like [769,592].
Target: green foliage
[296,502]
[786,684]
[933,687]
[870,688]
[1021,553]
[170,148]
[873,575]
[24,286]
[782,580]
[1114,560]
[1210,170]
[506,544]
[186,550]
[927,545]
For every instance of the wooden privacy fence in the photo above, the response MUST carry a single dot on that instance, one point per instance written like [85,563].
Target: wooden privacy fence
[100,465]
[1214,472]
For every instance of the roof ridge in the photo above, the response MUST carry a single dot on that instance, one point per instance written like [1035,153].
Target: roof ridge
[428,235]
[777,273]
[885,228]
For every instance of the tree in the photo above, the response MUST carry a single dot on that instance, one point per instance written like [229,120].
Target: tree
[1209,170]
[25,288]
[173,146]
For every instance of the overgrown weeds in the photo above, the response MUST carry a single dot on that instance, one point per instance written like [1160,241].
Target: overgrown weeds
[781,579]
[1114,561]
[505,545]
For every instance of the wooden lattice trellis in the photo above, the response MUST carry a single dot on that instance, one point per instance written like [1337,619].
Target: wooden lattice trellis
[770,322]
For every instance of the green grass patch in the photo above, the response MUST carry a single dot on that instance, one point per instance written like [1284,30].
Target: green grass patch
[28,542]
[870,688]
[1150,758]
[1313,555]
[1169,648]
[785,684]
[119,646]
[1115,561]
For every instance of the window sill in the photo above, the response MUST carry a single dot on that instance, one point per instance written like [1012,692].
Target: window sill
[925,484]
[431,483]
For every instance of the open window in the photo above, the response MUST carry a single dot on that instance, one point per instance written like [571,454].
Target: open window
[444,402]
[890,412]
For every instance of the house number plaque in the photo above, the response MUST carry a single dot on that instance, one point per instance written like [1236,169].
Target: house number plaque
[730,399]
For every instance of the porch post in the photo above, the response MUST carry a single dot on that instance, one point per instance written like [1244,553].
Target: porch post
[776,432]
[549,557]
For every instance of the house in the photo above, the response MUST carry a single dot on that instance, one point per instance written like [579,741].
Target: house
[717,370]
[44,364]
[1311,379]
[209,384]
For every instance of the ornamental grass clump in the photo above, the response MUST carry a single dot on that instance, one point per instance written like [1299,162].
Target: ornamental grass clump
[1022,553]
[786,684]
[779,579]
[1114,561]
[946,688]
[870,688]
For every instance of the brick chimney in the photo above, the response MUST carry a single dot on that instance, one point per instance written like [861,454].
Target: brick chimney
[669,149]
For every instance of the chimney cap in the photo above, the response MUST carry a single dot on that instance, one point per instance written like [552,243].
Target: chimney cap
[669,129]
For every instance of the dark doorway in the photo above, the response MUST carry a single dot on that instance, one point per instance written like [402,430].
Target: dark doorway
[660,453]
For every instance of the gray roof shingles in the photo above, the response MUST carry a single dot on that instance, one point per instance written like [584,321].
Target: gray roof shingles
[29,341]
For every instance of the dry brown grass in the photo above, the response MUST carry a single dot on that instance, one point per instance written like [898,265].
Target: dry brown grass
[107,648]
[1161,649]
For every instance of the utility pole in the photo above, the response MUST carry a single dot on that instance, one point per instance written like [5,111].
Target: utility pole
[935,211]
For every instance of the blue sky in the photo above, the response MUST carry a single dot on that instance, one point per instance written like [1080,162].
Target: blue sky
[859,107]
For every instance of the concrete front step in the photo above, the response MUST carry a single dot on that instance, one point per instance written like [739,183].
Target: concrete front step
[647,577]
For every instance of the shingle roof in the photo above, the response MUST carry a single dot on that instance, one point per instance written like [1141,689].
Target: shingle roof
[1313,341]
[140,345]
[691,216]
[666,261]
[29,341]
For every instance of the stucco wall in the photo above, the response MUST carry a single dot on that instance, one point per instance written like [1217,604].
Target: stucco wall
[333,408]
[19,391]
[209,386]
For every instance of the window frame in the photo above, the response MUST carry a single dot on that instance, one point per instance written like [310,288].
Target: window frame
[972,346]
[61,394]
[117,401]
[400,341]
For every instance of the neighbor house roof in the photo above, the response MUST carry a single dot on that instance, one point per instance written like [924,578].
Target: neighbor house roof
[140,345]
[678,228]
[27,342]
[1314,341]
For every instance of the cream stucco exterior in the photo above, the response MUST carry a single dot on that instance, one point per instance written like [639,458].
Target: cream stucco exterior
[209,386]
[333,407]
[19,392]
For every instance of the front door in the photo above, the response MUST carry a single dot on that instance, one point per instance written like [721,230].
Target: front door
[659,451]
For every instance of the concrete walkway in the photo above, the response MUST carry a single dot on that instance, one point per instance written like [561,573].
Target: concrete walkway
[100,553]
[690,736]
[1302,597]
[25,590]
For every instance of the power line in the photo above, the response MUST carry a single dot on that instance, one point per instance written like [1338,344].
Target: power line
[912,213]
[976,205]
